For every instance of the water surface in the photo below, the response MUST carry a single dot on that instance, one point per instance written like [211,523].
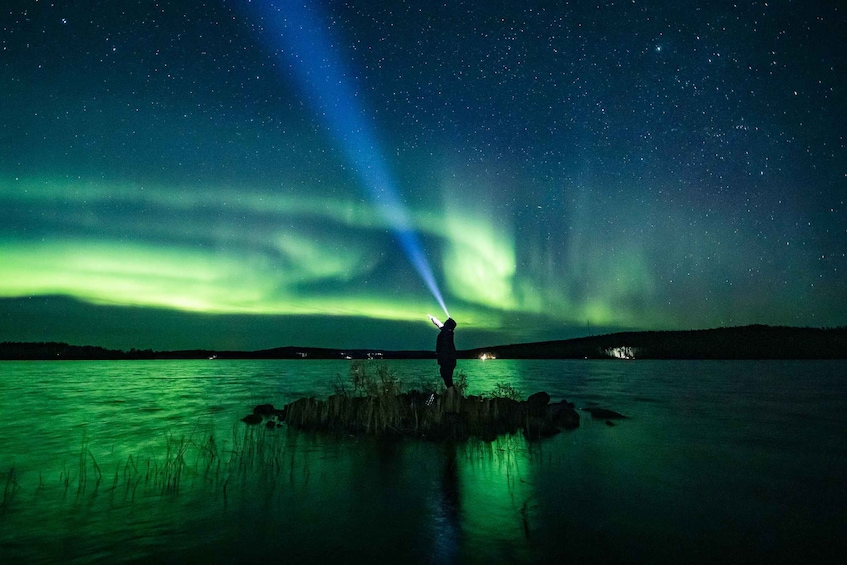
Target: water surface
[719,462]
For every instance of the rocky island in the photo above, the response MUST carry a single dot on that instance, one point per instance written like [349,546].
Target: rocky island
[447,416]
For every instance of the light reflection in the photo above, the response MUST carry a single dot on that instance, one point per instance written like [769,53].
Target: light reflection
[496,492]
[446,506]
[624,352]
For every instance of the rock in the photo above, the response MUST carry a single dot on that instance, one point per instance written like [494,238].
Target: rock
[604,414]
[270,424]
[610,423]
[252,419]
[264,410]
[538,428]
[536,404]
[538,399]
[563,415]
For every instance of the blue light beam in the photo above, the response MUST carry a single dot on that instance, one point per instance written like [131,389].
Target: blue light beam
[304,39]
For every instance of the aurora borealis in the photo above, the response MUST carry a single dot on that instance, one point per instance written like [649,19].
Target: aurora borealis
[166,181]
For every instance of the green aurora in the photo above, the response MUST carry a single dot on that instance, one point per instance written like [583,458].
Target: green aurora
[163,183]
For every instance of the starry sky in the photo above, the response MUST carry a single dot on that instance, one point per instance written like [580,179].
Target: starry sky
[246,175]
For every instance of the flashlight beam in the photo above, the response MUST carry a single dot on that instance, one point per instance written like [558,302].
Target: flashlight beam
[323,80]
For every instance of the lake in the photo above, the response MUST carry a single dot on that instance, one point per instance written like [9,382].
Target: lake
[719,461]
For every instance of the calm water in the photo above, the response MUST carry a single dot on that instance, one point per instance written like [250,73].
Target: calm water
[720,462]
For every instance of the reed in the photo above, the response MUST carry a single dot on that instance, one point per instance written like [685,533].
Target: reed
[505,390]
[372,401]
[252,457]
[85,456]
[11,487]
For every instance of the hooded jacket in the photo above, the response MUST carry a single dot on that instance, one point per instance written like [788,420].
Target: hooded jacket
[445,349]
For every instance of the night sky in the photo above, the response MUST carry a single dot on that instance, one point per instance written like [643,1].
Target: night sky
[229,174]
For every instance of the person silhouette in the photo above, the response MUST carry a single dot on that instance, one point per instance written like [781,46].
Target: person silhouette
[445,351]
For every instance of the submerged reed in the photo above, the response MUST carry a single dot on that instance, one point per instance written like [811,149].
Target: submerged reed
[371,401]
[253,457]
[11,487]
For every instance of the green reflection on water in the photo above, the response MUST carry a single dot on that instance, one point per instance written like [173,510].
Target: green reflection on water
[265,490]
[497,498]
[733,461]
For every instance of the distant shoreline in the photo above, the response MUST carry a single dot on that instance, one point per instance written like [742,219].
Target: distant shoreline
[742,342]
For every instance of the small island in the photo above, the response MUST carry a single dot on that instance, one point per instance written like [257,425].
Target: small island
[438,417]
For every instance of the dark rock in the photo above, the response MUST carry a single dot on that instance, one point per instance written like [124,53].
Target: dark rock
[610,423]
[538,428]
[536,404]
[503,415]
[604,414]
[264,410]
[270,425]
[252,419]
[538,399]
[563,415]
